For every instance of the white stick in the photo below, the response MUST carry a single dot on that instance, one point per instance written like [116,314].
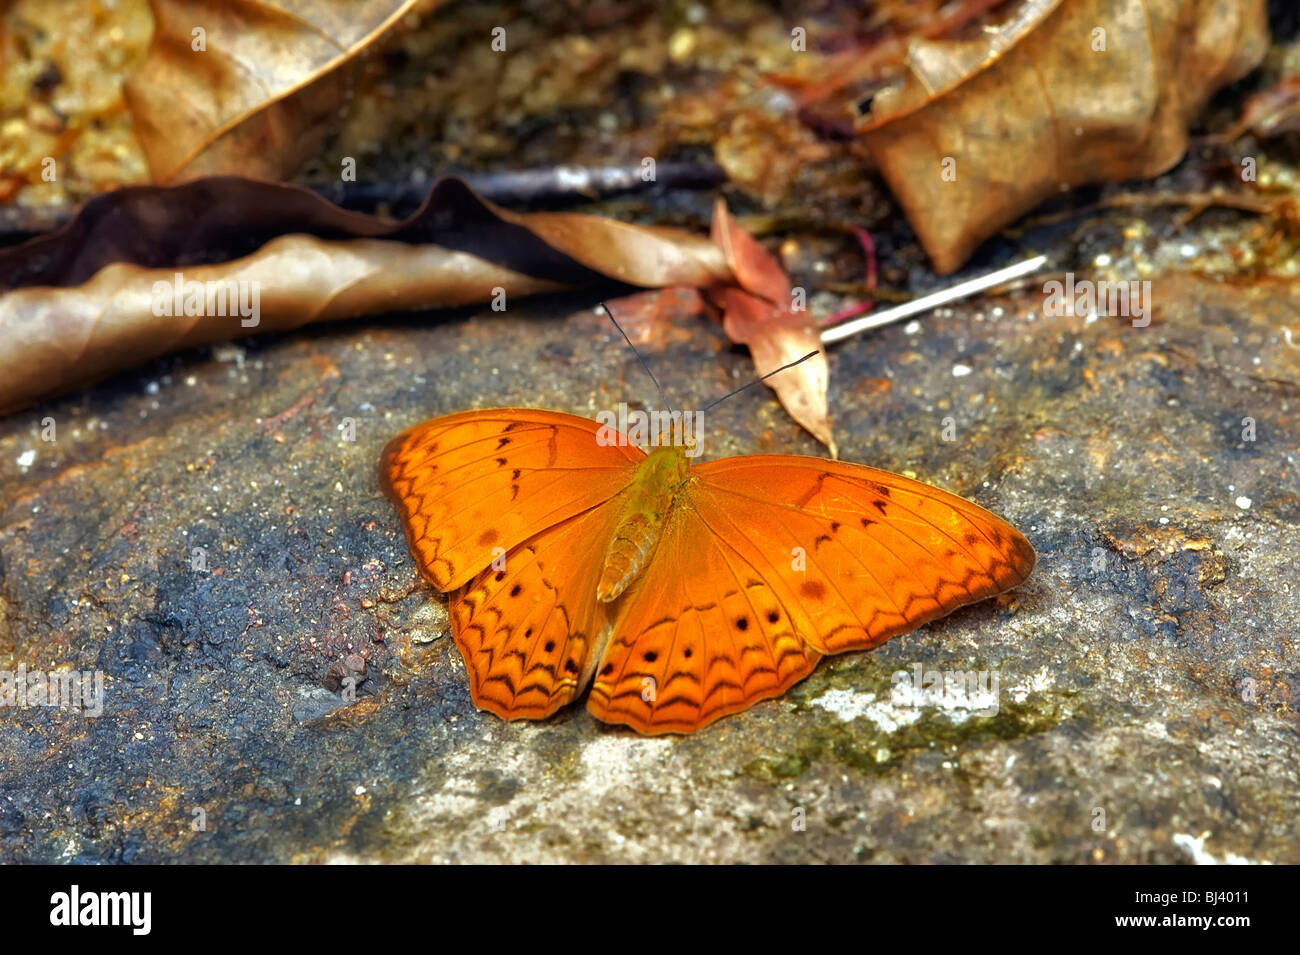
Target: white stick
[933,300]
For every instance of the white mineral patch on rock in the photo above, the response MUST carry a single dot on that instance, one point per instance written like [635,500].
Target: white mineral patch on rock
[848,705]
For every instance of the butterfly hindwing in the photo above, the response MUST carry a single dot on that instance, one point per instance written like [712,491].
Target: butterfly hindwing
[470,486]
[530,628]
[701,635]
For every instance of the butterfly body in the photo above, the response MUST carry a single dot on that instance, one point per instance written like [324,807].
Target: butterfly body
[654,492]
[678,593]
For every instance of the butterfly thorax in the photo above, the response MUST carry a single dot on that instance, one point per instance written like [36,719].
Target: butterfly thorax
[657,481]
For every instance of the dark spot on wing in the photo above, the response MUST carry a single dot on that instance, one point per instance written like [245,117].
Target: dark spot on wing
[813,589]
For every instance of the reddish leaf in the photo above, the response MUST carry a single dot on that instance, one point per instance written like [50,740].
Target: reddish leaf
[759,314]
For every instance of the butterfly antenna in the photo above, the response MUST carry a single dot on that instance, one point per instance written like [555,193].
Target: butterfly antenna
[639,358]
[757,380]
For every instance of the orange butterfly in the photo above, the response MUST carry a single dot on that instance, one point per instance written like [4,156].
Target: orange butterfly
[688,591]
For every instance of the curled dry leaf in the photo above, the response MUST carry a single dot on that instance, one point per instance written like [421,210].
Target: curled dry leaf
[1065,92]
[758,312]
[83,302]
[259,95]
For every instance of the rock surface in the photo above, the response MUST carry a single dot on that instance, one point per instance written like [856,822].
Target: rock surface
[1147,674]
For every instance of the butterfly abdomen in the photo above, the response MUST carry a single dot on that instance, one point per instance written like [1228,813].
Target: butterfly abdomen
[629,551]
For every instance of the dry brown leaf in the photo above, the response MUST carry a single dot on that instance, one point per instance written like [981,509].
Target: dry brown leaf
[84,302]
[262,96]
[80,304]
[1033,109]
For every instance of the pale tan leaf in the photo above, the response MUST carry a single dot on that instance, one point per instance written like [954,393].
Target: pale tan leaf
[262,96]
[981,131]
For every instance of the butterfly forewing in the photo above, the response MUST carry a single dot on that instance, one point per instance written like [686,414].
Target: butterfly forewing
[471,486]
[861,554]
